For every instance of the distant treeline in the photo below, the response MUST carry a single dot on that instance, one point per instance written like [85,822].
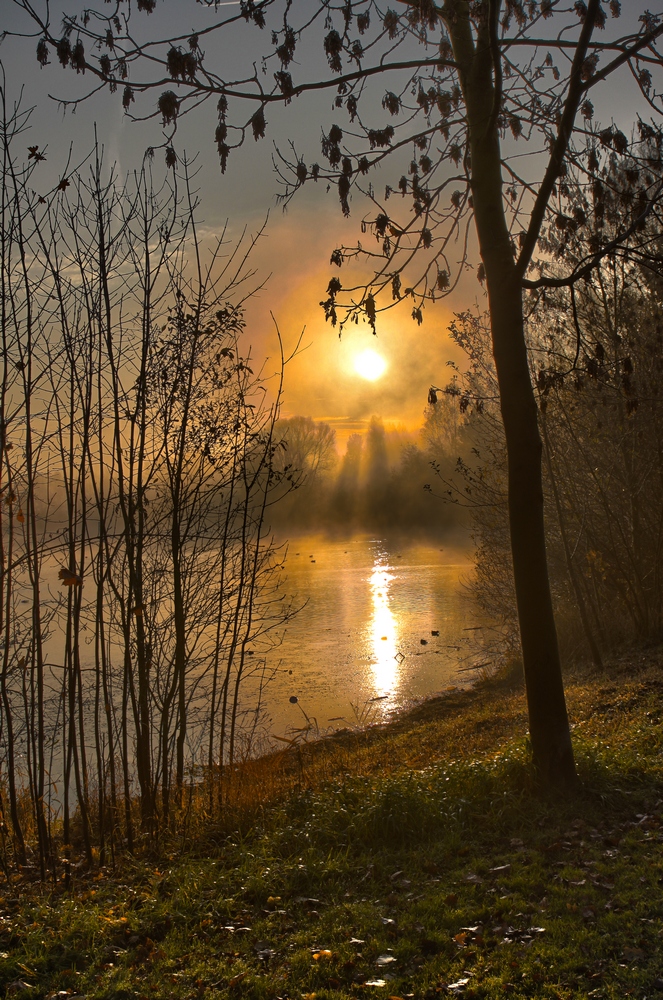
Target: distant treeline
[381,483]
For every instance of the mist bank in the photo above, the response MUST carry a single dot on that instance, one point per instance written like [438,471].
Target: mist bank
[387,481]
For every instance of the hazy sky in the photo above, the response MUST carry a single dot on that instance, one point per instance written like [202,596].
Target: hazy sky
[321,381]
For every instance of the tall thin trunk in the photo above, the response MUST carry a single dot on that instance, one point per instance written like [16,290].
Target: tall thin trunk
[573,575]
[548,721]
[6,581]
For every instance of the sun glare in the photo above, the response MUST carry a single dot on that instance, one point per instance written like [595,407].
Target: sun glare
[384,631]
[370,365]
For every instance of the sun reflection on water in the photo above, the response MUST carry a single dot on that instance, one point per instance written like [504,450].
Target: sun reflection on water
[384,630]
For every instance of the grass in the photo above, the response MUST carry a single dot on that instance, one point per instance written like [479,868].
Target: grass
[413,861]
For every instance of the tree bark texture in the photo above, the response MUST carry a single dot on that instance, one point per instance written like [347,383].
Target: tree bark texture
[548,720]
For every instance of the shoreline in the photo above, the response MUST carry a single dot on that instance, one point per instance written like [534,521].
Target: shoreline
[415,859]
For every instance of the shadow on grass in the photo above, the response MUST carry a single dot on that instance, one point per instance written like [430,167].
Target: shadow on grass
[474,804]
[455,867]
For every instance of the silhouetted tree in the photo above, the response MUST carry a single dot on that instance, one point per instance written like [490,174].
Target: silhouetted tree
[376,471]
[308,445]
[139,584]
[347,485]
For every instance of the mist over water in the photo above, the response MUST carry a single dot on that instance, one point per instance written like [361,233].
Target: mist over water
[354,653]
[376,562]
[381,484]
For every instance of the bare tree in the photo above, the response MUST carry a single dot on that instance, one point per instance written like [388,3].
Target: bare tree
[598,370]
[139,584]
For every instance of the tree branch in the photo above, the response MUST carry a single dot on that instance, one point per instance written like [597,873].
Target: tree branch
[560,147]
[646,39]
[595,259]
[493,21]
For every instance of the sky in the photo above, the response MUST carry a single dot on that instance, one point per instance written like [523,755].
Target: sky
[293,255]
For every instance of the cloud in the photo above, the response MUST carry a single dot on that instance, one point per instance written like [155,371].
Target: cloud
[321,380]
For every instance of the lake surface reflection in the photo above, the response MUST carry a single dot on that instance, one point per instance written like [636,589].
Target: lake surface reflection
[356,648]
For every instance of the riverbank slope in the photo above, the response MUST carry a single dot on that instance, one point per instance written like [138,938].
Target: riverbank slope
[413,860]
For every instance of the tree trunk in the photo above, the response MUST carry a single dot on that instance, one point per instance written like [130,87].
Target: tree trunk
[548,721]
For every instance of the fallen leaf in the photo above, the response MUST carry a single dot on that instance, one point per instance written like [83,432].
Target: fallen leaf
[512,934]
[460,984]
[385,959]
[30,972]
[355,940]
[322,954]
[376,982]
[237,979]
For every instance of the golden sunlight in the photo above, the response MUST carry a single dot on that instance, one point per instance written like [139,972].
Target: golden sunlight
[384,632]
[370,365]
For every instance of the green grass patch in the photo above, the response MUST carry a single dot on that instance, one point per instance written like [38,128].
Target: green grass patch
[453,879]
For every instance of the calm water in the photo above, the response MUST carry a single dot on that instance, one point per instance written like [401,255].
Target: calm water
[357,642]
[353,654]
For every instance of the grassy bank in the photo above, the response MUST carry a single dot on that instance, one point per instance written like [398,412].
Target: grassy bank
[412,861]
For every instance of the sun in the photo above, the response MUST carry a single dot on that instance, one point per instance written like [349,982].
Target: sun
[370,365]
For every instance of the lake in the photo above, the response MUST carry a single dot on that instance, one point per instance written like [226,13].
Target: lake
[384,624]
